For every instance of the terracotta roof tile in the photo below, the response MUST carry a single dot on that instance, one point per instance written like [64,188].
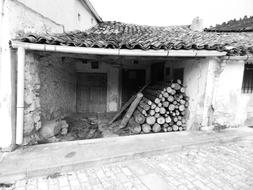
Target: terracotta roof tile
[130,36]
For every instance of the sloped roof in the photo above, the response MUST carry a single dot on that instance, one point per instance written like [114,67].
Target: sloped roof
[131,36]
[241,25]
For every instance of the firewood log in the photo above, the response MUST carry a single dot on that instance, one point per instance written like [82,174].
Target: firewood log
[156,128]
[151,112]
[133,126]
[171,107]
[149,102]
[170,98]
[160,120]
[182,101]
[166,125]
[153,106]
[169,129]
[138,117]
[181,108]
[175,128]
[166,95]
[180,128]
[182,90]
[157,100]
[168,119]
[179,123]
[142,111]
[157,109]
[159,105]
[173,92]
[162,110]
[150,120]
[144,105]
[165,104]
[157,115]
[146,128]
[177,86]
[169,90]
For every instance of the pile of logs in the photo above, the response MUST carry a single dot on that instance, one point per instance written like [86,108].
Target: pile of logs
[161,108]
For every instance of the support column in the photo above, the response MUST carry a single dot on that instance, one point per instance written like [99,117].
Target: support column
[20,96]
[209,91]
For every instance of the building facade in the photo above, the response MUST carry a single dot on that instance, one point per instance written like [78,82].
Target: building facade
[54,71]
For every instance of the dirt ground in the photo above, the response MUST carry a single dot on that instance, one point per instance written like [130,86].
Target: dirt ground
[83,126]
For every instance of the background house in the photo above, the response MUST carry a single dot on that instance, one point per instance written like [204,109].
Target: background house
[97,70]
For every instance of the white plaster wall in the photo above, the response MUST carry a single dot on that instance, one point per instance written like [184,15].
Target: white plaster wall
[64,12]
[231,106]
[21,19]
[195,72]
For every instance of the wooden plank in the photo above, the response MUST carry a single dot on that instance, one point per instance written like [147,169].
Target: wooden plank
[127,104]
[130,110]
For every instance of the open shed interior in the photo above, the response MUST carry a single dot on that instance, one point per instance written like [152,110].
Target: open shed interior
[73,97]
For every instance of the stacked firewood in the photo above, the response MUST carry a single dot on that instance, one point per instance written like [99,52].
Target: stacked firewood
[161,109]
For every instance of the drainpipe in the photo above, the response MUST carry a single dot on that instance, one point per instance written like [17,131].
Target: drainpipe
[20,95]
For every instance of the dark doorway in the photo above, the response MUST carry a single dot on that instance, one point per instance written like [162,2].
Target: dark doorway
[178,73]
[91,92]
[157,72]
[132,82]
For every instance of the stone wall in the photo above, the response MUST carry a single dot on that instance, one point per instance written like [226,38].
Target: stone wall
[58,87]
[50,91]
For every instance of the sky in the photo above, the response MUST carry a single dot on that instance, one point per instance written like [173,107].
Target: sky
[172,12]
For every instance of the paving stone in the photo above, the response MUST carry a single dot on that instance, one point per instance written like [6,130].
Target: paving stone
[226,166]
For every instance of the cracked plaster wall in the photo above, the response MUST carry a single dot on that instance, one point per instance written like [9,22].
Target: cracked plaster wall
[232,108]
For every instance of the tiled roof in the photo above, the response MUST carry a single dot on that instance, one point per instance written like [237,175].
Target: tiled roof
[241,25]
[130,36]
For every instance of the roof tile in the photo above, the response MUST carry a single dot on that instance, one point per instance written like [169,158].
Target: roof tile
[129,36]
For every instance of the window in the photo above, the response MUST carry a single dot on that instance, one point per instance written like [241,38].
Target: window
[247,84]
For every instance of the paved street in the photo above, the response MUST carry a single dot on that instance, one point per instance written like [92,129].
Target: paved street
[209,167]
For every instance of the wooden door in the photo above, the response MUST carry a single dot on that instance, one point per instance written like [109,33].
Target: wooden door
[91,92]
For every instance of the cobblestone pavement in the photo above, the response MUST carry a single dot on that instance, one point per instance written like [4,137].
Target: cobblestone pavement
[208,167]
